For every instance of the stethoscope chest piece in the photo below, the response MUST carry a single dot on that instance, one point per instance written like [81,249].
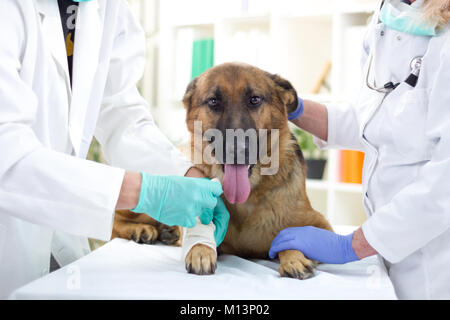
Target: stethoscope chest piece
[415,64]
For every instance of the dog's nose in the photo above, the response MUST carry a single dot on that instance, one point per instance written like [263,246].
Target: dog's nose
[238,151]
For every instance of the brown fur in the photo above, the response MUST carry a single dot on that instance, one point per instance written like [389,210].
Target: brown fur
[276,201]
[143,229]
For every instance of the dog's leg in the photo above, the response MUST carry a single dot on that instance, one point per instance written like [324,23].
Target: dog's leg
[138,232]
[144,229]
[169,235]
[201,260]
[199,249]
[293,264]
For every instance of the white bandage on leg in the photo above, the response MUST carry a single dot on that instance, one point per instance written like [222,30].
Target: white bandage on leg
[200,234]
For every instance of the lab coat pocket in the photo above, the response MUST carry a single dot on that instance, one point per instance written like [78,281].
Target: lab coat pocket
[407,122]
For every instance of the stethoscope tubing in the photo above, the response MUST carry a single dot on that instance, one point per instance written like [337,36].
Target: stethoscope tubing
[416,64]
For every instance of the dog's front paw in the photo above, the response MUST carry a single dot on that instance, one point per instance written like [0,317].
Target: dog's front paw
[144,233]
[293,264]
[201,260]
[169,235]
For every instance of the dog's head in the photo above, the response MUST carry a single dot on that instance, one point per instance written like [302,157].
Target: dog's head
[235,105]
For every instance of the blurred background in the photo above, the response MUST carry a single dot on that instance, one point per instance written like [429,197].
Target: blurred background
[316,45]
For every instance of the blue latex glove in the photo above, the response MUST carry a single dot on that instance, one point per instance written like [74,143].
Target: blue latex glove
[316,244]
[174,200]
[298,112]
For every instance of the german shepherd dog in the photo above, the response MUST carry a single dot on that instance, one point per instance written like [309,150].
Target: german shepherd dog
[238,96]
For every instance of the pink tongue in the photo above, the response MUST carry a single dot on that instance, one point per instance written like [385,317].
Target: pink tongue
[236,185]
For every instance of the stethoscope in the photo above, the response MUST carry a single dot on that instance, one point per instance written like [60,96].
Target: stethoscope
[388,87]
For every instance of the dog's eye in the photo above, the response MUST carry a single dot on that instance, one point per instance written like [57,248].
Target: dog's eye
[255,101]
[213,103]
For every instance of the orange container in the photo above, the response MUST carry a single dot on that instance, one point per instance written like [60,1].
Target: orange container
[351,166]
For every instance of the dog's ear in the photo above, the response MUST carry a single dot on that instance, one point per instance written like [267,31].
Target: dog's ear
[187,99]
[287,92]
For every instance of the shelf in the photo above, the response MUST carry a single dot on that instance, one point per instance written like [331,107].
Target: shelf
[194,25]
[339,187]
[348,187]
[247,20]
[317,184]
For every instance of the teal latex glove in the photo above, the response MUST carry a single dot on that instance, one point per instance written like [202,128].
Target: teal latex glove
[221,217]
[174,200]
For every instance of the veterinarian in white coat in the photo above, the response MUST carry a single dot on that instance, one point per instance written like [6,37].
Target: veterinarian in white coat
[46,127]
[405,135]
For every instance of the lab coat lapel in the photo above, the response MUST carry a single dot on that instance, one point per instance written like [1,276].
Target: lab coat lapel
[53,36]
[88,39]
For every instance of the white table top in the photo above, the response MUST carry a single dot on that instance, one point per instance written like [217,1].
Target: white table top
[125,270]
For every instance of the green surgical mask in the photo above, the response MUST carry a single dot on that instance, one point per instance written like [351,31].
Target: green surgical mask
[406,18]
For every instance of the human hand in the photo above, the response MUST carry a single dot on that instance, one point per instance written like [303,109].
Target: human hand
[220,219]
[298,112]
[316,244]
[174,200]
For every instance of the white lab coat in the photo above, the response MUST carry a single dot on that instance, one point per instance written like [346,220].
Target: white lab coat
[46,128]
[406,139]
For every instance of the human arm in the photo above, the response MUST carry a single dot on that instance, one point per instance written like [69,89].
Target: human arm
[38,184]
[314,119]
[131,188]
[333,126]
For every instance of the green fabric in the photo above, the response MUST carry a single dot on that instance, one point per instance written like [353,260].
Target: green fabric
[202,56]
[406,18]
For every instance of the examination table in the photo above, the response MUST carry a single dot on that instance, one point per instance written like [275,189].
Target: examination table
[122,269]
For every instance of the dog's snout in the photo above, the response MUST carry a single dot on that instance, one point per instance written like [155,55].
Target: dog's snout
[237,150]
[241,147]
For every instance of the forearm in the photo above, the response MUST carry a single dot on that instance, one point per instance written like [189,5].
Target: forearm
[131,188]
[360,245]
[130,191]
[314,119]
[194,172]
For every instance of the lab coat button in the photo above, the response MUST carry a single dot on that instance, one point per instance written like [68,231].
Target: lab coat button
[382,33]
[399,38]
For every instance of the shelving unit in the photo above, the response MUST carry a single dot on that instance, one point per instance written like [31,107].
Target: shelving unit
[293,38]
